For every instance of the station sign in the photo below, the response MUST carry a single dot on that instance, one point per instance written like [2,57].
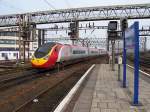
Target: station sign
[130,38]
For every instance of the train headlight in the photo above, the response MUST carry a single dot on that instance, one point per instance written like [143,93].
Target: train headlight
[46,57]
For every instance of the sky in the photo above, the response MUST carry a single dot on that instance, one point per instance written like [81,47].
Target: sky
[22,6]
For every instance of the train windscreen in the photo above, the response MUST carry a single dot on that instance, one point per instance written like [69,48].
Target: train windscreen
[44,50]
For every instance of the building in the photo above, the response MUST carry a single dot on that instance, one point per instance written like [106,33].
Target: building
[9,48]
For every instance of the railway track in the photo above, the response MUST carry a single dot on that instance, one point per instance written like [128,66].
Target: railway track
[144,61]
[53,85]
[11,78]
[10,82]
[37,97]
[7,69]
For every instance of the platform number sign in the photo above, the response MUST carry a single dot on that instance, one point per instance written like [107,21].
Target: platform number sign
[130,38]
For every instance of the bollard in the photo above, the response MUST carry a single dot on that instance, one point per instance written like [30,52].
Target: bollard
[119,63]
[119,72]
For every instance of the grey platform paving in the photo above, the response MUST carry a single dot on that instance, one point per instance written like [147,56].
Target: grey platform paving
[103,93]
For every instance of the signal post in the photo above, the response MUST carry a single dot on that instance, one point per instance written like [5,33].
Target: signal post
[112,36]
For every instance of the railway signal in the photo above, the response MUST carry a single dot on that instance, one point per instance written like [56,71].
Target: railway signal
[112,35]
[124,24]
[73,29]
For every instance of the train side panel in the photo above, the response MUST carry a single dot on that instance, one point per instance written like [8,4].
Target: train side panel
[93,52]
[79,52]
[102,51]
[68,52]
[64,53]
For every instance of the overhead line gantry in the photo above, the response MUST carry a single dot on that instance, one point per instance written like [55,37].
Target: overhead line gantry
[134,11]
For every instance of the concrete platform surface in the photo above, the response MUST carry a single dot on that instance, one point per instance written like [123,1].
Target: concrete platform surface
[102,92]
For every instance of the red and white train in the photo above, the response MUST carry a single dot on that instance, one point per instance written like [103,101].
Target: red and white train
[51,53]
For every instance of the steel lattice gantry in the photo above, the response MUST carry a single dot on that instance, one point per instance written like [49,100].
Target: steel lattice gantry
[93,42]
[136,11]
[88,42]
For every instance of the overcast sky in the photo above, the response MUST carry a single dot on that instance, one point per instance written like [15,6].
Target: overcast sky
[19,6]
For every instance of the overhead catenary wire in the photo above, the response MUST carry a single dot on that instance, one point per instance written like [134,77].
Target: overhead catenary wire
[49,4]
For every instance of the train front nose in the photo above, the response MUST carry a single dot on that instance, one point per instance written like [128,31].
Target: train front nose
[44,56]
[38,63]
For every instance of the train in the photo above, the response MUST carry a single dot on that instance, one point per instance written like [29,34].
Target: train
[51,53]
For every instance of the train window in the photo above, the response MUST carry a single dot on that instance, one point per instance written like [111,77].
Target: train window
[94,52]
[78,52]
[56,49]
[44,50]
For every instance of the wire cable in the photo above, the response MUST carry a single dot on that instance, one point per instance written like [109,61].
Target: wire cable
[48,3]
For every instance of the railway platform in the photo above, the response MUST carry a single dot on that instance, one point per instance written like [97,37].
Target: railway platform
[102,92]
